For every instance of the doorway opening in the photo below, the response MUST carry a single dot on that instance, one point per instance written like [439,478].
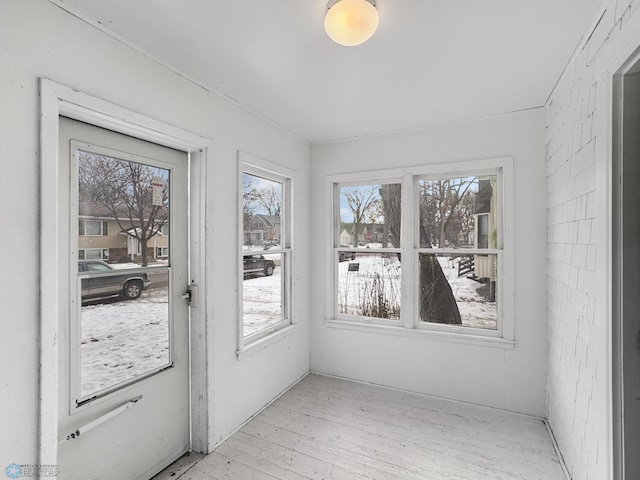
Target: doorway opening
[626,270]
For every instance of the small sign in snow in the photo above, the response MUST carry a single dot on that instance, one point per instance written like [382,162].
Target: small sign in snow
[157,185]
[354,267]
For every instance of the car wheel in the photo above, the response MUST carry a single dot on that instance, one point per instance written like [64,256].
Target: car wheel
[132,290]
[268,270]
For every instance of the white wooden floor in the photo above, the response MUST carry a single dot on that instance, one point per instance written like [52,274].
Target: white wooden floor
[326,428]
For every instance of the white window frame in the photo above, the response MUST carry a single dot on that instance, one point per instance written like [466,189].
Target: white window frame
[253,165]
[409,324]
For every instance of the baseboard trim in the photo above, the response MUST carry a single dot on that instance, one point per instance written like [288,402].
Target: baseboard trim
[567,475]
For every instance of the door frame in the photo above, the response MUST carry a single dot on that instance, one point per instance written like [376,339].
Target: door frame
[629,66]
[613,61]
[59,100]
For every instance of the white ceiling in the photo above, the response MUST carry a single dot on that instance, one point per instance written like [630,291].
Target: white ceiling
[430,62]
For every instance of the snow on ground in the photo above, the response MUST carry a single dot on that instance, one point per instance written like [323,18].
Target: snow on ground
[123,339]
[152,263]
[373,286]
[262,303]
[475,309]
[381,274]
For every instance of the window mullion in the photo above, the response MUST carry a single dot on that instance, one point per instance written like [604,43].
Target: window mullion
[408,312]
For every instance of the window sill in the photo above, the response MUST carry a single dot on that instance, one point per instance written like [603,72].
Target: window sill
[264,342]
[468,339]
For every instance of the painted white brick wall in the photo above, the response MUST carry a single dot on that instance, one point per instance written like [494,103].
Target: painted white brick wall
[576,380]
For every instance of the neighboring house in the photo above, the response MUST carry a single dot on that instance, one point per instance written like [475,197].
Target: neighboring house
[101,237]
[263,229]
[367,233]
[346,238]
[486,228]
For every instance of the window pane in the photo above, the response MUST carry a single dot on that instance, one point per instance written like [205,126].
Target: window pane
[93,254]
[261,212]
[370,216]
[369,284]
[458,212]
[458,290]
[262,292]
[121,340]
[93,227]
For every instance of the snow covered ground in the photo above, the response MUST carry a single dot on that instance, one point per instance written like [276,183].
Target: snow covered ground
[475,309]
[380,274]
[262,301]
[123,339]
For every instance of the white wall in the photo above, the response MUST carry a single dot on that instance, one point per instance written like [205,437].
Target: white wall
[509,379]
[39,39]
[578,159]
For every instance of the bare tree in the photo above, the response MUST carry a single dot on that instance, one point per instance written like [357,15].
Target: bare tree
[249,207]
[442,203]
[267,199]
[467,214]
[125,189]
[361,201]
[390,200]
[437,302]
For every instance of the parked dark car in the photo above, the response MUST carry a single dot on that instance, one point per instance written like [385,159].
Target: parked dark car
[110,281]
[342,256]
[258,264]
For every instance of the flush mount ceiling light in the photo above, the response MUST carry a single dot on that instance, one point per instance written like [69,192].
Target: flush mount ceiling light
[351,22]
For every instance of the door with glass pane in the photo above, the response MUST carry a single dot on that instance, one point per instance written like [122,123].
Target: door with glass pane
[124,351]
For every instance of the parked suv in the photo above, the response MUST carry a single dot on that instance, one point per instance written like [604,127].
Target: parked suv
[258,264]
[126,284]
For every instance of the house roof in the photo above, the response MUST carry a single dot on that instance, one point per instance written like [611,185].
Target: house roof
[101,212]
[269,220]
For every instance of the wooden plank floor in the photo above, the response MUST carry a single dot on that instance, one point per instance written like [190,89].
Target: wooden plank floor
[326,428]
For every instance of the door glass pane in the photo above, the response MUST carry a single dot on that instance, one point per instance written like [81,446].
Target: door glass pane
[261,213]
[369,284]
[123,234]
[370,216]
[458,290]
[458,212]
